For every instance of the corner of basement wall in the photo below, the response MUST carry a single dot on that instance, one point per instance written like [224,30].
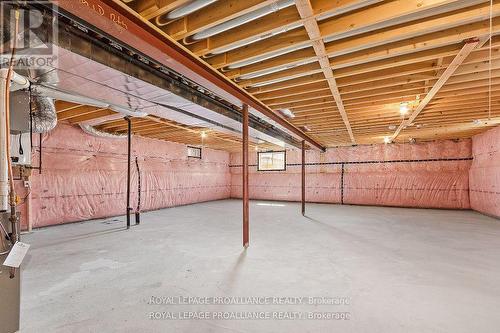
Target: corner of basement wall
[484,174]
[84,177]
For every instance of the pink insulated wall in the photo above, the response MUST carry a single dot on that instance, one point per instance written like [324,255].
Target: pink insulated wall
[84,177]
[485,173]
[437,177]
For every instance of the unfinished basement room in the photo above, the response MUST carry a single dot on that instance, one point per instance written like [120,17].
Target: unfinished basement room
[250,166]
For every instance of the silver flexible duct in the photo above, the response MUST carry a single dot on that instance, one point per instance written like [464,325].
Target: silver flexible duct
[43,114]
[91,130]
[43,109]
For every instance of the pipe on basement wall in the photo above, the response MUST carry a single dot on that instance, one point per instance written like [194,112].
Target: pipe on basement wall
[17,82]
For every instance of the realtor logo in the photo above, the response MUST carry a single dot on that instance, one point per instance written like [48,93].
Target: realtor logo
[30,29]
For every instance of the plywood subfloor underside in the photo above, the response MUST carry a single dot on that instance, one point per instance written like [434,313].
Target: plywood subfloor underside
[404,270]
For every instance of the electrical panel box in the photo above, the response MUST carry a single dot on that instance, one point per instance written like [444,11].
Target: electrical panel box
[20,149]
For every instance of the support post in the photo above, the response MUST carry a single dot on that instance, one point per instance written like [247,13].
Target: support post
[303,177]
[246,233]
[129,153]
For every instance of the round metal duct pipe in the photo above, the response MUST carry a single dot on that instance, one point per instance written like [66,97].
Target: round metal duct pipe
[191,7]
[274,7]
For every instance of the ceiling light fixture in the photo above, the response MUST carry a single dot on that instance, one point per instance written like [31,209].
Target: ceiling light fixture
[387,139]
[403,108]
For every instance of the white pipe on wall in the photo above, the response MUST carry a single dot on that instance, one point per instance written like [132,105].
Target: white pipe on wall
[17,82]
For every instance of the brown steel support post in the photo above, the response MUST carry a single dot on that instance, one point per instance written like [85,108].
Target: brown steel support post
[303,178]
[246,233]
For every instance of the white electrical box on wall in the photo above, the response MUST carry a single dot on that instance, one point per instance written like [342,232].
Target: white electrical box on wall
[20,149]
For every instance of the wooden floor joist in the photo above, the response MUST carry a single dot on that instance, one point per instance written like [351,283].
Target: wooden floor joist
[459,59]
[311,25]
[344,67]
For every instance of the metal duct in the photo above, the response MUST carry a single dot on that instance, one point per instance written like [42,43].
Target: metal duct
[59,94]
[273,7]
[43,114]
[191,7]
[95,132]
[43,109]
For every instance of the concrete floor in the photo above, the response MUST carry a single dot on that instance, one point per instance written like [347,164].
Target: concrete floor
[400,270]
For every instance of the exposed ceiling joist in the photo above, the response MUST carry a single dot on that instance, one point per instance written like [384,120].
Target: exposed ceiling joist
[306,12]
[459,59]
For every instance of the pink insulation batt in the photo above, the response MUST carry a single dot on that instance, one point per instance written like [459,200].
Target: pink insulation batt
[484,175]
[84,177]
[430,184]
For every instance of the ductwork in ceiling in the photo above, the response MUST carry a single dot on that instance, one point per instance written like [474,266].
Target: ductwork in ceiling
[91,130]
[245,18]
[43,109]
[182,11]
[84,81]
[351,32]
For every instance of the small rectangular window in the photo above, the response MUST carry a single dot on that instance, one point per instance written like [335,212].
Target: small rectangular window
[194,152]
[272,161]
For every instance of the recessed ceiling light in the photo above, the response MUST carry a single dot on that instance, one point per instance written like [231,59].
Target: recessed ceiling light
[477,122]
[392,127]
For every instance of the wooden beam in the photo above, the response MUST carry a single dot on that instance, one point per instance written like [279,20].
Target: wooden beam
[80,110]
[459,59]
[99,113]
[306,12]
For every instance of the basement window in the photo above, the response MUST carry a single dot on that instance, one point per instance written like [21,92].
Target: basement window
[194,152]
[272,161]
